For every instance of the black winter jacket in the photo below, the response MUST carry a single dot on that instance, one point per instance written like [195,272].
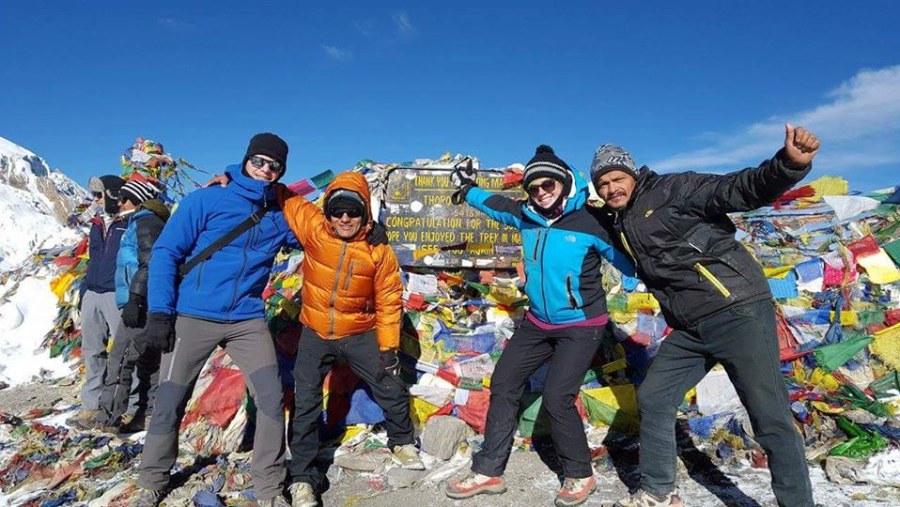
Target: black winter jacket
[676,228]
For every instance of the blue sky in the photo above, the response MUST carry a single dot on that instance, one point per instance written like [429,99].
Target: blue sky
[704,85]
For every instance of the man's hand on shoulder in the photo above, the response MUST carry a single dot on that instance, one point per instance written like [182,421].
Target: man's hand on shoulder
[377,235]
[800,146]
[221,179]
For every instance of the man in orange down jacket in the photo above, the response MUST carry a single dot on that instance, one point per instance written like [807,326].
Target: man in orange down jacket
[352,310]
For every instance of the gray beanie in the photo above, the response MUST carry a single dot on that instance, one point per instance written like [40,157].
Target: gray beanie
[611,157]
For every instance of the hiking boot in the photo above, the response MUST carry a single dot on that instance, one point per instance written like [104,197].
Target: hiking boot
[473,484]
[645,499]
[275,501]
[135,425]
[407,456]
[83,419]
[303,495]
[575,491]
[149,497]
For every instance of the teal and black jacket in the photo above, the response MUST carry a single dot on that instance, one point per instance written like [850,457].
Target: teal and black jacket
[562,256]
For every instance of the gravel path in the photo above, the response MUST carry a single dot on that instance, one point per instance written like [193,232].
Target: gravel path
[530,480]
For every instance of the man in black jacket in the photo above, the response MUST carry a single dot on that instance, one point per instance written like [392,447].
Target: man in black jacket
[715,297]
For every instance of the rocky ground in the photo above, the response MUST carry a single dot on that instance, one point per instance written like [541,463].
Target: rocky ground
[529,477]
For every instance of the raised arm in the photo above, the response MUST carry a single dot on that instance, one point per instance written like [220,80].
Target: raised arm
[753,187]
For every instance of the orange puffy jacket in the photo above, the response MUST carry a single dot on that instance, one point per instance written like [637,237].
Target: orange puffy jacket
[349,287]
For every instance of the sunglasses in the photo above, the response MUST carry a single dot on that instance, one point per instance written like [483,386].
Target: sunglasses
[546,186]
[352,213]
[259,162]
[97,195]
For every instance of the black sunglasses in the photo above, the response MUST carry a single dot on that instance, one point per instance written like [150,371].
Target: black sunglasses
[97,195]
[259,162]
[351,212]
[546,186]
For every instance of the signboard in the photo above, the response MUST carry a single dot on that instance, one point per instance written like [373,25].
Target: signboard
[426,229]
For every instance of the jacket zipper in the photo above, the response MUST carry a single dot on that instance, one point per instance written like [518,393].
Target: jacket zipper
[543,295]
[712,279]
[349,276]
[334,290]
[241,272]
[572,301]
[623,238]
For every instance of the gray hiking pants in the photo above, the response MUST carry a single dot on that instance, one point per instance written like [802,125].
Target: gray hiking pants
[251,347]
[99,318]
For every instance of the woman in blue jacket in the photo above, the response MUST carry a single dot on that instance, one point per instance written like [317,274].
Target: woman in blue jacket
[562,247]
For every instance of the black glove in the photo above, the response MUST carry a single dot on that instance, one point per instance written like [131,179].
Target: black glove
[463,178]
[390,364]
[160,333]
[377,235]
[134,313]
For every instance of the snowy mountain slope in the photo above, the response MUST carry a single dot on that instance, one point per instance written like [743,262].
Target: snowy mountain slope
[34,204]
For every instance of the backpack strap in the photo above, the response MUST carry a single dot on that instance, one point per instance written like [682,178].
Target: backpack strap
[217,245]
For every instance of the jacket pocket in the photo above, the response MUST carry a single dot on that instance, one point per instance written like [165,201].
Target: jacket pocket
[706,273]
[349,277]
[537,245]
[200,274]
[573,301]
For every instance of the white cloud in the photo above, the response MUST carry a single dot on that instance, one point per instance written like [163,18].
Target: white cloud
[336,53]
[858,124]
[402,23]
[175,24]
[367,27]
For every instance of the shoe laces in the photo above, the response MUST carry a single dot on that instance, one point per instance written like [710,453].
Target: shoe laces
[469,480]
[572,484]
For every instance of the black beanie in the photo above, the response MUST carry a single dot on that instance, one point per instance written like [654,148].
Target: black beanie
[344,199]
[545,164]
[270,145]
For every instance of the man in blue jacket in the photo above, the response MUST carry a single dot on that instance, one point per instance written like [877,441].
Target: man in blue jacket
[219,303]
[99,313]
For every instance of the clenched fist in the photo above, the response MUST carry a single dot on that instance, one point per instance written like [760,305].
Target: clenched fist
[800,145]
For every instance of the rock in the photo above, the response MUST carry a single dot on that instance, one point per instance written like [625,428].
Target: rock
[402,478]
[362,461]
[843,470]
[442,435]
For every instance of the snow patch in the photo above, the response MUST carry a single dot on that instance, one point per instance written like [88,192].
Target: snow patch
[26,316]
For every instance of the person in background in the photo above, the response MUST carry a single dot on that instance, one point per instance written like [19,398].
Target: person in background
[714,296]
[147,216]
[97,301]
[563,248]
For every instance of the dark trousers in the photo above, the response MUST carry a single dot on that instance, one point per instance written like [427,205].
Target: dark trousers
[122,362]
[745,341]
[315,357]
[571,351]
